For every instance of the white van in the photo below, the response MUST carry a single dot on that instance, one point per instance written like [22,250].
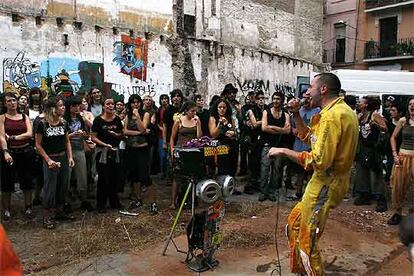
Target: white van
[383,84]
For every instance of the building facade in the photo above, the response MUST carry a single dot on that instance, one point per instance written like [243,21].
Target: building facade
[387,37]
[340,33]
[151,47]
[369,34]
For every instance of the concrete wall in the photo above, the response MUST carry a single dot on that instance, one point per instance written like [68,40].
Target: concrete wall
[254,44]
[93,55]
[140,46]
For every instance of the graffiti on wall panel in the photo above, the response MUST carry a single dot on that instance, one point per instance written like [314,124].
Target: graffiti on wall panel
[20,72]
[57,75]
[131,55]
[247,86]
[254,86]
[152,89]
[285,88]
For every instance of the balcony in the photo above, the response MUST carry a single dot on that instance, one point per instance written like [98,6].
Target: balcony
[376,5]
[403,49]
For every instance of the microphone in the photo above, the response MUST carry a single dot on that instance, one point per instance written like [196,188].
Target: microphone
[302,102]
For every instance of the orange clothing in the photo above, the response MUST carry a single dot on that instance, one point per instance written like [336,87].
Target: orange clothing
[9,262]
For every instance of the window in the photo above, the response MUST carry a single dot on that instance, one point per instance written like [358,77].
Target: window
[189,25]
[388,36]
[340,46]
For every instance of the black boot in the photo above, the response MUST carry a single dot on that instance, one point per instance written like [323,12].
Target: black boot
[362,199]
[395,219]
[381,204]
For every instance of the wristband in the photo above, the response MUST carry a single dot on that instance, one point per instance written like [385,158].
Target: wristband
[6,151]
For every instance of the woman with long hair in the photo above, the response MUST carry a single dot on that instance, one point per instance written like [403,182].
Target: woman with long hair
[138,153]
[223,128]
[78,135]
[186,127]
[369,181]
[52,143]
[402,176]
[107,134]
[15,138]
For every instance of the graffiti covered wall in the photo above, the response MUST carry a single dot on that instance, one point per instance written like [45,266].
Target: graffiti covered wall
[76,54]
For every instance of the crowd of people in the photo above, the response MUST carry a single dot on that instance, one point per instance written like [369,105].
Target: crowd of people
[93,147]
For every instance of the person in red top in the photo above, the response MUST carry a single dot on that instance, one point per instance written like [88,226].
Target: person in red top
[9,262]
[15,136]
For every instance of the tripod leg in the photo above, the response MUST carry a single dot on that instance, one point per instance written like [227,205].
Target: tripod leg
[167,242]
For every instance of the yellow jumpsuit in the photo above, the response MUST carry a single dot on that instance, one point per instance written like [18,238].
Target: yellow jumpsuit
[333,137]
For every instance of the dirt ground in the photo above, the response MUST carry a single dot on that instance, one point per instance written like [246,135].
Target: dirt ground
[357,241]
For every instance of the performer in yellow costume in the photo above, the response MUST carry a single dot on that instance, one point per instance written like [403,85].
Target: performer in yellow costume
[333,137]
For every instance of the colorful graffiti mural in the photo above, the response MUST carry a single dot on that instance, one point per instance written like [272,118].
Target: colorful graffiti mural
[131,54]
[57,75]
[20,72]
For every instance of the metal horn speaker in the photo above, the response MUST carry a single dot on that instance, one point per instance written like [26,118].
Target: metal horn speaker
[208,190]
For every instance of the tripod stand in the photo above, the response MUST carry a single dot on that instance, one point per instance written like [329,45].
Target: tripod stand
[190,186]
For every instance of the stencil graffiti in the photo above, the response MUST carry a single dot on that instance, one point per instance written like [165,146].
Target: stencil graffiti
[254,86]
[247,86]
[285,88]
[20,72]
[132,56]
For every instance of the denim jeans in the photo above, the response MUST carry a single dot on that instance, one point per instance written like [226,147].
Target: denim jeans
[271,173]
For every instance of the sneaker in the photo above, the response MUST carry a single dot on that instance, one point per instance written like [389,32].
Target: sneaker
[120,207]
[250,190]
[153,209]
[86,206]
[395,219]
[101,210]
[262,197]
[6,215]
[63,216]
[236,192]
[28,213]
[37,201]
[67,208]
[362,199]
[381,205]
[135,204]
[272,198]
[48,223]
